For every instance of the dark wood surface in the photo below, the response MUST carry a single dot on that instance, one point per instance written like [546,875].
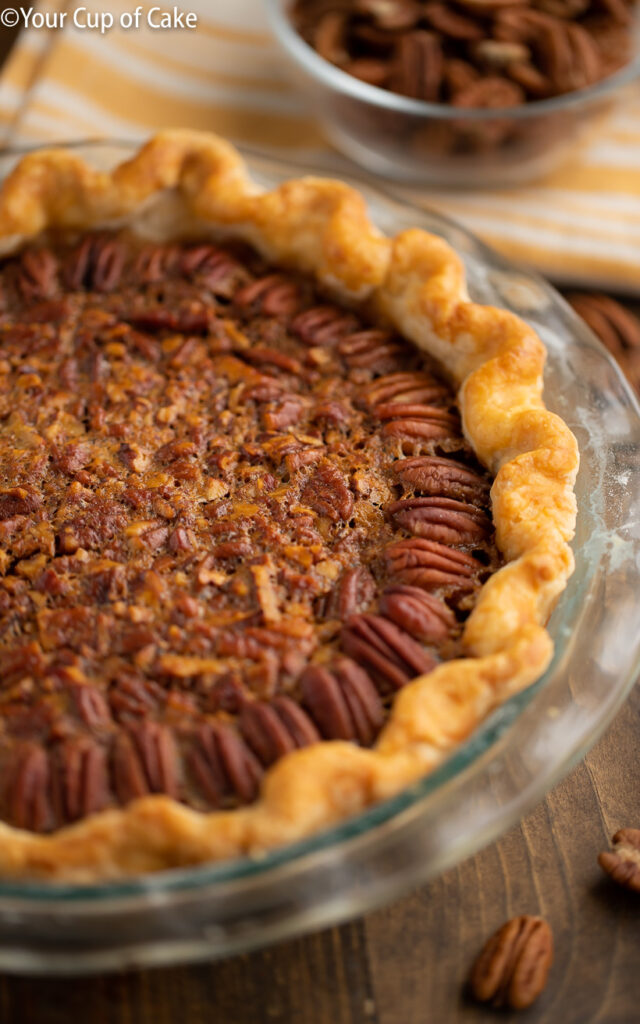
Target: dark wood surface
[407,964]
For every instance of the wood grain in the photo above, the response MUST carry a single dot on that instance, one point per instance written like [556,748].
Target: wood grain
[407,964]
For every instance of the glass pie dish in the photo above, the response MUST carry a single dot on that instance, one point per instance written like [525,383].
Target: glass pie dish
[487,783]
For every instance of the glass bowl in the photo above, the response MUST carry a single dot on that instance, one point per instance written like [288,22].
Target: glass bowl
[486,785]
[435,143]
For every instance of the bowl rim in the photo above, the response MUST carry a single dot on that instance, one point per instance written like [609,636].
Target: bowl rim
[321,69]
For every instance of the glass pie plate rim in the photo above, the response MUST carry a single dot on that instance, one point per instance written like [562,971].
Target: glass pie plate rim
[378,854]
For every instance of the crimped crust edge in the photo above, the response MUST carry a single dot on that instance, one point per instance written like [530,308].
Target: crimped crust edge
[416,281]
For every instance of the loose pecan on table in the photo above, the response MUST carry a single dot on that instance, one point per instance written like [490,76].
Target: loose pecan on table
[512,969]
[622,864]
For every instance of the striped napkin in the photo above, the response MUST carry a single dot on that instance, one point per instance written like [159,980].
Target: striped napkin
[580,224]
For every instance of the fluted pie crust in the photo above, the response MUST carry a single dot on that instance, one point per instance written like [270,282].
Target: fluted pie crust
[191,182]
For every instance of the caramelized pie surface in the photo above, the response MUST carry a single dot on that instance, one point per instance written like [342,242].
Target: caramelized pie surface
[235,519]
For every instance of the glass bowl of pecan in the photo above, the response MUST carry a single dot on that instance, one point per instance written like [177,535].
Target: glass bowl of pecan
[470,93]
[489,782]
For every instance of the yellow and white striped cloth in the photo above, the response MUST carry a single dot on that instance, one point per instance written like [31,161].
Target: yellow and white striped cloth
[581,223]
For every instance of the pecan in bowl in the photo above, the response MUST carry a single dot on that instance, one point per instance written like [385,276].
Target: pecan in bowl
[463,93]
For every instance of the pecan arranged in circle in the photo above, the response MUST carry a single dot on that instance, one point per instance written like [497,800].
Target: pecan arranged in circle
[273,729]
[223,765]
[342,701]
[444,520]
[323,325]
[512,969]
[415,388]
[80,779]
[442,477]
[273,295]
[387,652]
[430,565]
[370,349]
[423,616]
[416,422]
[622,864]
[354,592]
[418,67]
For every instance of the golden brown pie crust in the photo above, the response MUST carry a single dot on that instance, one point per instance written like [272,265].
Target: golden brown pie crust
[415,280]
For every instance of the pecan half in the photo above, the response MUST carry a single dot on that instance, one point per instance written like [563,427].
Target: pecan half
[443,477]
[158,756]
[492,92]
[450,22]
[496,54]
[329,38]
[343,701]
[488,6]
[387,652]
[427,564]
[513,966]
[108,259]
[156,263]
[571,56]
[92,706]
[214,268]
[374,349]
[327,493]
[37,276]
[622,864]
[354,593]
[394,15]
[273,729]
[413,388]
[444,520]
[322,326]
[273,295]
[80,779]
[563,8]
[423,616]
[417,422]
[28,781]
[418,66]
[223,764]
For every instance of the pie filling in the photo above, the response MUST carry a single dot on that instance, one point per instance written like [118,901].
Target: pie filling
[235,519]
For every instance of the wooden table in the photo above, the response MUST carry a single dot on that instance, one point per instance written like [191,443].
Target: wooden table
[407,964]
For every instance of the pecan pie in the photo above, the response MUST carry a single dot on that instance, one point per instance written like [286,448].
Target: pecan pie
[282,514]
